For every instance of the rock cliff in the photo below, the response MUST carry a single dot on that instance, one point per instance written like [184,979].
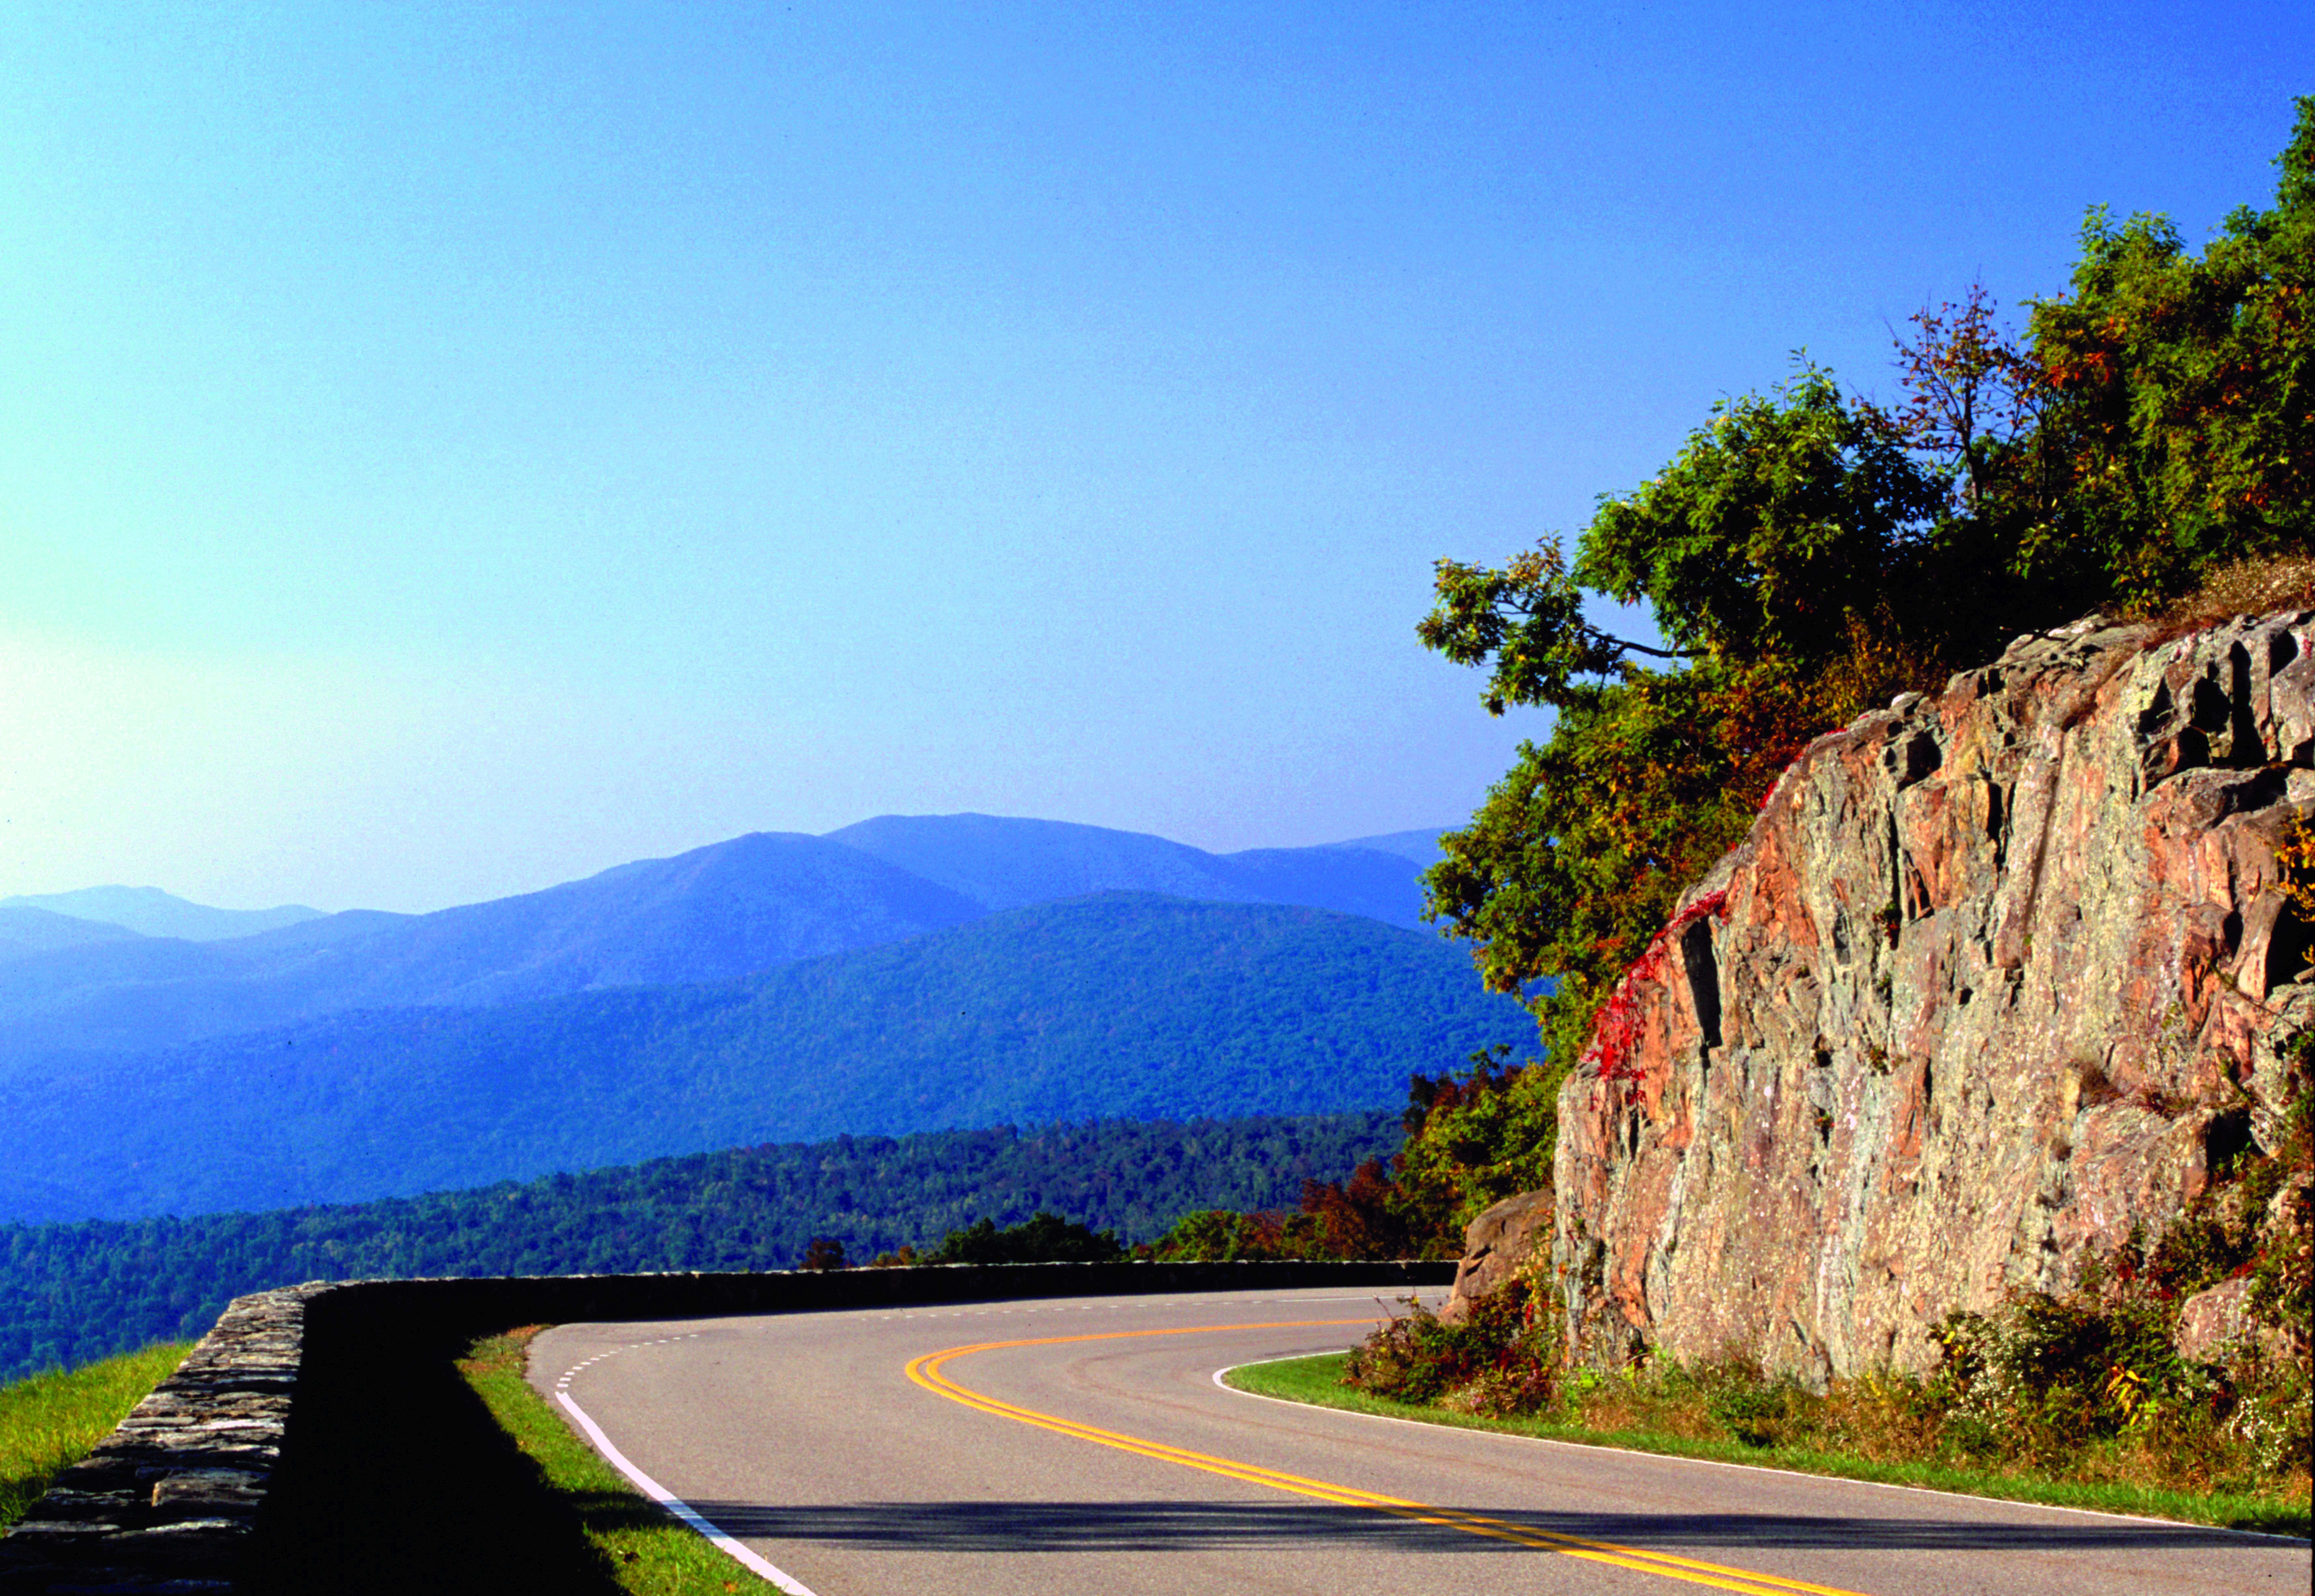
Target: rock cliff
[1999,975]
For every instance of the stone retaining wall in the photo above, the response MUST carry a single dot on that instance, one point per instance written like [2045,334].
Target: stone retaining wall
[175,1501]
[168,1502]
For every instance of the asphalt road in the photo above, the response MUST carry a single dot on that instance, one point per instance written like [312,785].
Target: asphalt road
[1083,1446]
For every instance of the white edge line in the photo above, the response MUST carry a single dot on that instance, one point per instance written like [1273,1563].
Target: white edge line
[2095,1513]
[676,1504]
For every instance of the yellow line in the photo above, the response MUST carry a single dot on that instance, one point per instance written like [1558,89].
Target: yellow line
[928,1371]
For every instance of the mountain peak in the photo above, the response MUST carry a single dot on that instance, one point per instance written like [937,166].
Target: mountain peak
[149,911]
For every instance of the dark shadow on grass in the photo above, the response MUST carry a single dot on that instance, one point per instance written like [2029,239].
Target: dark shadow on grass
[1195,1526]
[21,1493]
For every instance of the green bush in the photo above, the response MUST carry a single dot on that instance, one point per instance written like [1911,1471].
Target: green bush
[1502,1359]
[2087,1387]
[1042,1239]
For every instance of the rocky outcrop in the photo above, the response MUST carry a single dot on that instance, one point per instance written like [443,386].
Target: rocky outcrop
[1999,975]
[1495,1247]
[2213,1323]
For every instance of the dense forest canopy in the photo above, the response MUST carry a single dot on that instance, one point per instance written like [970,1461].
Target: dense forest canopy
[73,1293]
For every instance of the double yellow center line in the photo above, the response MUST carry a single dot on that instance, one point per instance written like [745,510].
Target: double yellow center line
[930,1372]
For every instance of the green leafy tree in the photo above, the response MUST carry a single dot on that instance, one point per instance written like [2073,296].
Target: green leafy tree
[1765,552]
[1224,1236]
[1809,553]
[2185,385]
[1474,1139]
[1042,1239]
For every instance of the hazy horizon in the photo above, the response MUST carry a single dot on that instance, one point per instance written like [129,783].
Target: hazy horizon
[50,900]
[452,449]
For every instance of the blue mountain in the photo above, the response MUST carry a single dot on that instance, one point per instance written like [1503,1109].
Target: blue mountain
[149,911]
[1001,862]
[745,905]
[25,929]
[1116,1005]
[750,904]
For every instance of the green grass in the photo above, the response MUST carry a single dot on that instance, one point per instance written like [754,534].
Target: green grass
[644,1549]
[1319,1380]
[50,1420]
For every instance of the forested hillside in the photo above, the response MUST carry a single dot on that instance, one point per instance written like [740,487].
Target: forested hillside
[1123,1005]
[73,1293]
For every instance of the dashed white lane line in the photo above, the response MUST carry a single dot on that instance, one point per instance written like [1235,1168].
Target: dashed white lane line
[683,1510]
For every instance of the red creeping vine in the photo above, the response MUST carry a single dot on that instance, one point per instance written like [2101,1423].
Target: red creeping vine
[1617,1033]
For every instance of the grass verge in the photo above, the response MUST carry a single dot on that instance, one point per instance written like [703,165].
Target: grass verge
[48,1421]
[1318,1381]
[641,1548]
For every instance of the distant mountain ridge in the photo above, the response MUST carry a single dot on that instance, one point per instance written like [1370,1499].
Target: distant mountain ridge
[749,904]
[1421,847]
[1121,1005]
[149,911]
[26,929]
[1001,861]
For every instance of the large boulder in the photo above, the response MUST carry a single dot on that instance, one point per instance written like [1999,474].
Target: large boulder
[1496,1246]
[1999,975]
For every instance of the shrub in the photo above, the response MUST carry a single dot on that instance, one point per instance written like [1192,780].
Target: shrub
[1043,1239]
[1502,1359]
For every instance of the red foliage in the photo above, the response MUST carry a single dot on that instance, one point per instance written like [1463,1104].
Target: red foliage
[1355,1220]
[1616,1033]
[1429,1095]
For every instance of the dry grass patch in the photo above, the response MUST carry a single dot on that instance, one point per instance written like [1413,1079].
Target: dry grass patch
[2256,586]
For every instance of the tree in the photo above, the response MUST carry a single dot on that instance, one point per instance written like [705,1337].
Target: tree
[1766,552]
[2187,385]
[1042,1239]
[1809,553]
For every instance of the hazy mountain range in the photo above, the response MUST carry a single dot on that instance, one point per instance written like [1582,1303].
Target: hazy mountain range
[149,911]
[725,910]
[904,974]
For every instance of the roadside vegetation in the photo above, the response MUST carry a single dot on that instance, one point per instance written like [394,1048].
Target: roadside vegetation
[1699,1413]
[636,1543]
[2086,1395]
[1044,1237]
[1472,1139]
[2080,1400]
[48,1421]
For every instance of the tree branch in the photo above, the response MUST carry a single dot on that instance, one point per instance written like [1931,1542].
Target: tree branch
[1642,648]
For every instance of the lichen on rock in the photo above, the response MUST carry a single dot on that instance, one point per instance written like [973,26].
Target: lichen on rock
[1997,976]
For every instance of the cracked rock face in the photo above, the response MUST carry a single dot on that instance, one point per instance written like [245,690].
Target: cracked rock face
[1997,976]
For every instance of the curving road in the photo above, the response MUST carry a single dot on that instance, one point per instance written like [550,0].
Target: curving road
[1084,1445]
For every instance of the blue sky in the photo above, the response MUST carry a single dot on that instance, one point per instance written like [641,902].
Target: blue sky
[447,449]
